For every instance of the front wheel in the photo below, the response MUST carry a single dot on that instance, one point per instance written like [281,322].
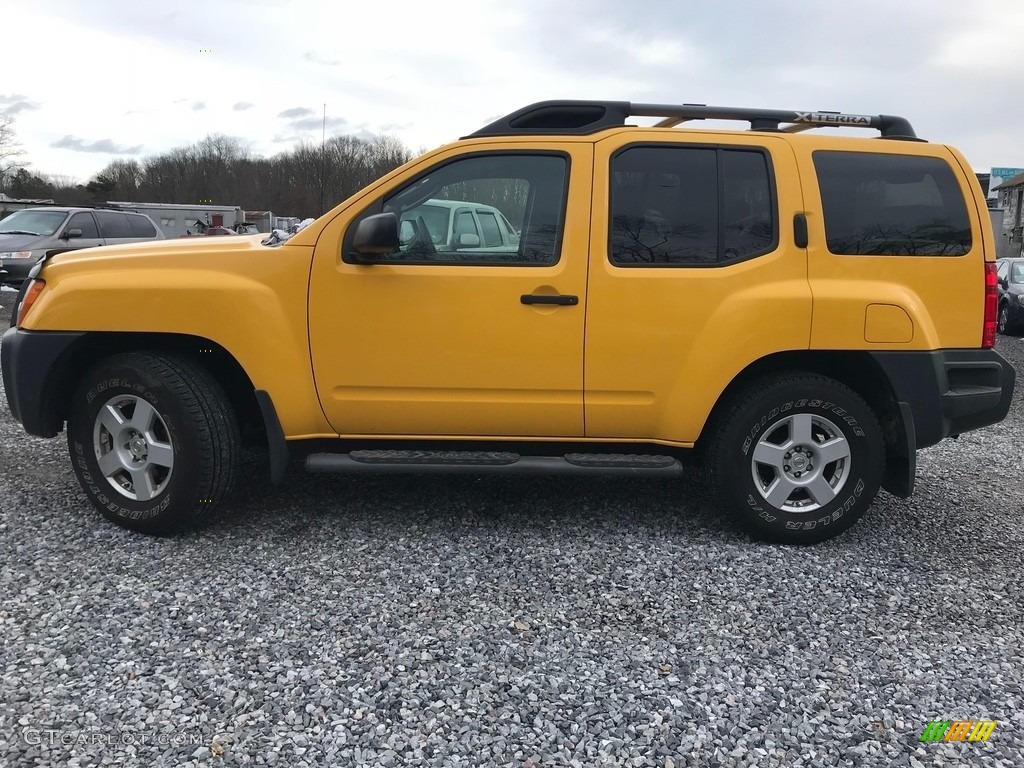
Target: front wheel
[1004,325]
[797,458]
[153,441]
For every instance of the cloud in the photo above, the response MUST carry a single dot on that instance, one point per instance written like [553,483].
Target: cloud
[14,103]
[102,145]
[309,123]
[198,105]
[243,105]
[312,57]
[296,112]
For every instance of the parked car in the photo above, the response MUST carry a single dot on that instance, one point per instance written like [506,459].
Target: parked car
[26,236]
[1011,295]
[800,312]
[449,226]
[212,232]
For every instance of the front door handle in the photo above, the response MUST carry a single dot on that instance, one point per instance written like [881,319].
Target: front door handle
[563,300]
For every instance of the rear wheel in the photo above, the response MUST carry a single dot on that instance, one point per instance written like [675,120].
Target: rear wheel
[797,458]
[153,441]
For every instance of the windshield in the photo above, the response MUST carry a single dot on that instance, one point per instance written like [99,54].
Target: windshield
[32,222]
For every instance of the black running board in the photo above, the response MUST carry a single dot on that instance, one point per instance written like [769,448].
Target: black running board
[491,462]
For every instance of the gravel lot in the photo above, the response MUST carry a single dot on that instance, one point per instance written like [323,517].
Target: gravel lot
[552,622]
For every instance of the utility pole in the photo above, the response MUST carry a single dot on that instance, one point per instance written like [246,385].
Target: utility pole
[323,160]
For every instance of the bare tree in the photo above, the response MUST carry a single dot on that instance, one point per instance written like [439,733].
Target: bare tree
[61,180]
[10,151]
[223,169]
[124,177]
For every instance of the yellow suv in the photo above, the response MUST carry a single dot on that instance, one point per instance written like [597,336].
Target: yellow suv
[800,310]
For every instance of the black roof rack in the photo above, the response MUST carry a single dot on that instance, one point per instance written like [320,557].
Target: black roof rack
[584,117]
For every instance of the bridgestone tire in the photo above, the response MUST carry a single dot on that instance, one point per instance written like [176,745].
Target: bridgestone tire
[797,458]
[165,435]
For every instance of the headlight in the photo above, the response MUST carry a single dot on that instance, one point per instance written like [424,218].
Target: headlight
[15,254]
[1020,299]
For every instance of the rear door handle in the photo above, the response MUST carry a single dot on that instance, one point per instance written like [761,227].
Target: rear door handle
[564,300]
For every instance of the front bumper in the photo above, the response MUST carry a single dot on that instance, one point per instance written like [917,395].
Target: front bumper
[951,391]
[16,270]
[1016,313]
[33,365]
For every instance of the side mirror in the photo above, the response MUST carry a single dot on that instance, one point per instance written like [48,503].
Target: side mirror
[1004,282]
[375,236]
[72,233]
[467,240]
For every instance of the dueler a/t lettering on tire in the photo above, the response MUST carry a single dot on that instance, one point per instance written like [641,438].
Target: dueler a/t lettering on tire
[153,441]
[797,457]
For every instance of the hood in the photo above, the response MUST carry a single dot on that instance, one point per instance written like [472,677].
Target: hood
[201,253]
[22,242]
[164,249]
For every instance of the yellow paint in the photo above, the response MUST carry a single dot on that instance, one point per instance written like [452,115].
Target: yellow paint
[887,324]
[248,298]
[942,296]
[448,351]
[429,350]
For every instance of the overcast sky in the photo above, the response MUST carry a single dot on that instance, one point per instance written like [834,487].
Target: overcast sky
[89,82]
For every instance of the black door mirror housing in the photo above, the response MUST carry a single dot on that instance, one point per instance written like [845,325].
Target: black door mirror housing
[375,236]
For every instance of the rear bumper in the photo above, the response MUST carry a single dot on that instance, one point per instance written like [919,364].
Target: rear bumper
[30,362]
[950,391]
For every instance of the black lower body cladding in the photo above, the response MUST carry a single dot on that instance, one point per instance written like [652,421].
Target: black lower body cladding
[30,362]
[950,391]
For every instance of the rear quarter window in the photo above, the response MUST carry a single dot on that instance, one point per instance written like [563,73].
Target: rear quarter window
[141,226]
[898,205]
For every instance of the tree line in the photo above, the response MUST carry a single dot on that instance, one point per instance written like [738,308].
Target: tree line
[221,170]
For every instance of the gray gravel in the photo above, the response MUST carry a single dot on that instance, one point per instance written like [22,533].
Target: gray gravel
[422,622]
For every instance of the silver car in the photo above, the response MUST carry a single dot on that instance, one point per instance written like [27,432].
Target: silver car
[27,235]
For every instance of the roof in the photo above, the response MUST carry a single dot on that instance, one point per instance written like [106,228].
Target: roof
[586,117]
[5,199]
[1014,181]
[61,208]
[176,206]
[450,204]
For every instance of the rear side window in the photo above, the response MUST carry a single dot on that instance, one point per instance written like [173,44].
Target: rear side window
[690,206]
[141,226]
[113,225]
[894,205]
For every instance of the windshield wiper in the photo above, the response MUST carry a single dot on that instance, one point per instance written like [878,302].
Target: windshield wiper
[18,232]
